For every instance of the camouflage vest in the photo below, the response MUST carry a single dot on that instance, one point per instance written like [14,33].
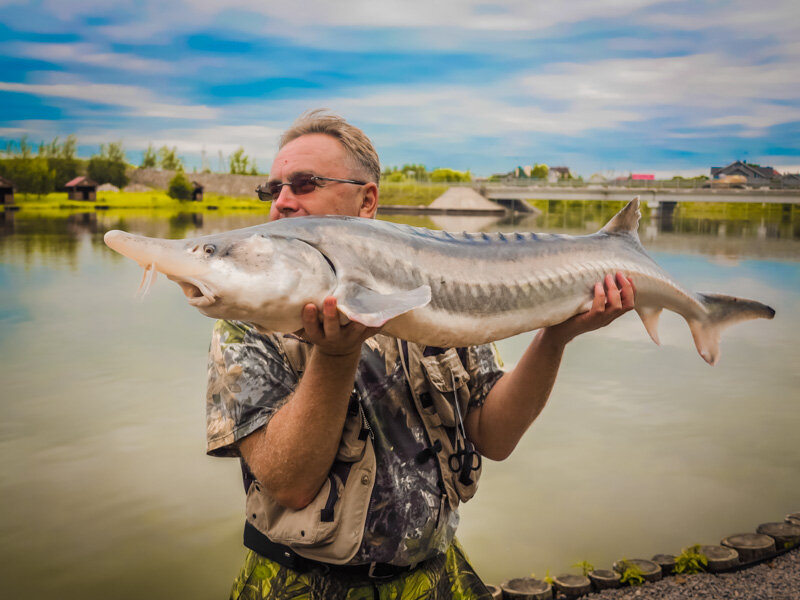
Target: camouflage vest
[331,527]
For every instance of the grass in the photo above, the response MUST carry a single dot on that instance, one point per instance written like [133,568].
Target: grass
[404,193]
[150,200]
[410,193]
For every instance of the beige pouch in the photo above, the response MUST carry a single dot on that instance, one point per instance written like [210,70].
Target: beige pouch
[331,527]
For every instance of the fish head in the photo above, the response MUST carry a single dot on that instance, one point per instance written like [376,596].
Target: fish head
[252,277]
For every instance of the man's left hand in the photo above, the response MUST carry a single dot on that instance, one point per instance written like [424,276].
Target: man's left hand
[612,299]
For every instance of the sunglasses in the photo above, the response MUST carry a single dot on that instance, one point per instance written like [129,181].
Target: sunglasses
[299,184]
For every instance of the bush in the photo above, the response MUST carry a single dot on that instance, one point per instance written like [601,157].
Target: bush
[439,175]
[540,172]
[396,177]
[180,187]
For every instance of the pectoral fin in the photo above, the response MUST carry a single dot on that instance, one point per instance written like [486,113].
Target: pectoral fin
[373,309]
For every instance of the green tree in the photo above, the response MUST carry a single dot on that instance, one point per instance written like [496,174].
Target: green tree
[241,164]
[61,160]
[180,187]
[540,171]
[149,158]
[109,166]
[412,171]
[168,159]
[30,174]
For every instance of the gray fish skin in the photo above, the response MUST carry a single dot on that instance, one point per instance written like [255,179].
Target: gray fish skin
[430,287]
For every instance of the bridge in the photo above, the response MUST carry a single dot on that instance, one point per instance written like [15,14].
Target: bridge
[508,195]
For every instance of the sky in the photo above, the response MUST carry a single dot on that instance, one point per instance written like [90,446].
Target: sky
[669,87]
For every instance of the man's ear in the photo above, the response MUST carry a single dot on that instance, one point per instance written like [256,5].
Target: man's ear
[369,201]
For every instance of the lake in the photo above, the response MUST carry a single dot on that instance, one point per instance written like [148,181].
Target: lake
[106,490]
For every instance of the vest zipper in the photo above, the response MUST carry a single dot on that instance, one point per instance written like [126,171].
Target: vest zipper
[364,421]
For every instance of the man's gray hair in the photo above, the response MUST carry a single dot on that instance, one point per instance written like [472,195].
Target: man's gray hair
[356,143]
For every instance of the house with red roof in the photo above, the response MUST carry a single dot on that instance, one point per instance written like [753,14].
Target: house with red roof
[82,188]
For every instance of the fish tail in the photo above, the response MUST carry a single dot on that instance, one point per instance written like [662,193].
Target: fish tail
[721,312]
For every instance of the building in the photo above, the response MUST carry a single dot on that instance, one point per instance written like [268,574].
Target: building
[559,173]
[523,172]
[642,177]
[755,175]
[197,192]
[82,188]
[791,180]
[6,192]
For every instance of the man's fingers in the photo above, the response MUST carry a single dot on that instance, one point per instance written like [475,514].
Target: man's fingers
[311,321]
[330,318]
[612,293]
[626,291]
[599,302]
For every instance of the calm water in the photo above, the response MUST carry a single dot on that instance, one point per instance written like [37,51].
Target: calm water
[106,490]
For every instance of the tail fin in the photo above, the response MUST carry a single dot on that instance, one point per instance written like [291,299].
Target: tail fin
[722,311]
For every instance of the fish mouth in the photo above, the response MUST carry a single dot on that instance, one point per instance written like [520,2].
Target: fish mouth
[196,292]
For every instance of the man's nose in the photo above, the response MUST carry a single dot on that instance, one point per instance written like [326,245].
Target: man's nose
[286,200]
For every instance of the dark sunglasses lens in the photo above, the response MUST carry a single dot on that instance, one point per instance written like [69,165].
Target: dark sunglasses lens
[273,189]
[302,185]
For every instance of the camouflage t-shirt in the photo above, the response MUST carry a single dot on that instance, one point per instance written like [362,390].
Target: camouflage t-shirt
[408,520]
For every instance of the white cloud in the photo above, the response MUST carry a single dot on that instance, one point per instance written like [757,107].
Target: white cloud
[709,80]
[772,18]
[701,90]
[88,54]
[510,15]
[140,101]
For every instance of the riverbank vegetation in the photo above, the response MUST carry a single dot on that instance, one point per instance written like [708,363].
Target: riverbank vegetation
[153,199]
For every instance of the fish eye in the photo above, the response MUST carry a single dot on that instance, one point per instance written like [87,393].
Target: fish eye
[209,249]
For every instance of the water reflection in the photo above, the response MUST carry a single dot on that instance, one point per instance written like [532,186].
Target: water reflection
[642,449]
[750,230]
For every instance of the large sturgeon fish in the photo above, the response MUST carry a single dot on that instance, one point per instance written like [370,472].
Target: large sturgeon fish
[431,287]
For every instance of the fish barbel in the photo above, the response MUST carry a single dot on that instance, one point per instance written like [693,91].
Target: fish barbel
[431,287]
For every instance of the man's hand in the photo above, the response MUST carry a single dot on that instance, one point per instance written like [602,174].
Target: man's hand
[329,336]
[610,302]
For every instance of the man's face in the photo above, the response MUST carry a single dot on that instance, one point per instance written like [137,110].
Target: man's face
[322,155]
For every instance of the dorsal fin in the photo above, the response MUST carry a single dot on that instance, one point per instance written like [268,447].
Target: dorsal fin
[626,220]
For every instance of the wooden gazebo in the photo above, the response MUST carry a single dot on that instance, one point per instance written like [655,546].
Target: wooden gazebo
[82,188]
[6,192]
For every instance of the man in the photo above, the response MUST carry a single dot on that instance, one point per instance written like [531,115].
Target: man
[357,448]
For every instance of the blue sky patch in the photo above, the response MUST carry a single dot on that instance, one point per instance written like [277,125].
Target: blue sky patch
[651,86]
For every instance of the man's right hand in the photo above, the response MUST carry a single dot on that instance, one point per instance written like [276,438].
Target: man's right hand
[329,335]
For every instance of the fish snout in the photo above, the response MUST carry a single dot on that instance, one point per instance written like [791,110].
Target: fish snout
[118,240]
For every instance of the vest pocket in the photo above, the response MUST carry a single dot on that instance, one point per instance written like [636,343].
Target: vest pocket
[331,527]
[447,380]
[354,434]
[310,526]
